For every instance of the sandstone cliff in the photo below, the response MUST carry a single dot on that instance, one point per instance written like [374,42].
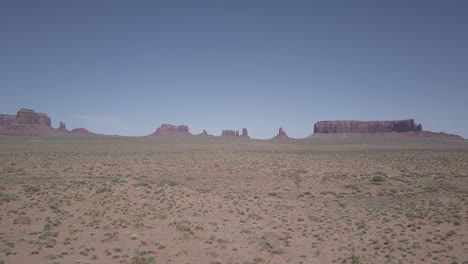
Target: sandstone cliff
[382,129]
[30,117]
[25,117]
[168,130]
[6,120]
[326,127]
[235,134]
[228,133]
[26,122]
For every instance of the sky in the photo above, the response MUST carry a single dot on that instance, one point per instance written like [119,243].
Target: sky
[126,67]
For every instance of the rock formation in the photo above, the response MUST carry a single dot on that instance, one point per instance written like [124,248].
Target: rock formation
[235,134]
[228,133]
[326,127]
[168,130]
[25,117]
[63,127]
[30,117]
[82,131]
[383,129]
[6,120]
[204,134]
[281,135]
[26,122]
[245,133]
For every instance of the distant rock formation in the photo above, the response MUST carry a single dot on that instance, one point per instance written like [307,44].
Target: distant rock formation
[30,117]
[6,120]
[281,135]
[26,122]
[204,134]
[168,130]
[245,133]
[62,127]
[25,117]
[387,129]
[228,133]
[82,131]
[235,134]
[326,127]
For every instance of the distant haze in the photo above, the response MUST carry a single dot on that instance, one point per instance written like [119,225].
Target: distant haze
[126,67]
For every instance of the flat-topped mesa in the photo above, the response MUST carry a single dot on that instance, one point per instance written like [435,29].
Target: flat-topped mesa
[30,117]
[168,130]
[281,135]
[331,127]
[228,133]
[27,122]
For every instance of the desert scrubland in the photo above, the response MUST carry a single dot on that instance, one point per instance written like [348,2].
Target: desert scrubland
[120,200]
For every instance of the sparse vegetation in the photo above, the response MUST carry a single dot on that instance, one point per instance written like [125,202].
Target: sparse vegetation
[145,201]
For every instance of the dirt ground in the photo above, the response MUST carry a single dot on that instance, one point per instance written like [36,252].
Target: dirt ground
[232,201]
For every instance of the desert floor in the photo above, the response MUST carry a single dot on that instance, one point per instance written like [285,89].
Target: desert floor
[232,201]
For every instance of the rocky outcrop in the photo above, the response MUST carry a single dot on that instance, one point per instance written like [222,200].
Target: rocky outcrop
[381,129]
[81,131]
[25,117]
[62,127]
[27,122]
[228,133]
[30,117]
[168,130]
[235,134]
[204,134]
[332,127]
[6,120]
[245,133]
[281,135]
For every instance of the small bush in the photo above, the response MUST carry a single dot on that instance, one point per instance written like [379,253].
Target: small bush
[378,179]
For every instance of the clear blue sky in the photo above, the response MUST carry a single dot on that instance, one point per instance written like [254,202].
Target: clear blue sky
[125,67]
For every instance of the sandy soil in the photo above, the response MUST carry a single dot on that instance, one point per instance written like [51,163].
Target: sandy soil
[232,201]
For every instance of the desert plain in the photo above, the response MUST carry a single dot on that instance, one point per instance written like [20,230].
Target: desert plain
[144,200]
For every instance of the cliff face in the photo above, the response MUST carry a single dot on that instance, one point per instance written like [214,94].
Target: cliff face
[6,120]
[229,133]
[26,123]
[327,127]
[169,130]
[30,117]
[25,117]
[235,134]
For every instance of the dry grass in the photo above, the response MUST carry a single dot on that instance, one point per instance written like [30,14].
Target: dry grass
[230,201]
